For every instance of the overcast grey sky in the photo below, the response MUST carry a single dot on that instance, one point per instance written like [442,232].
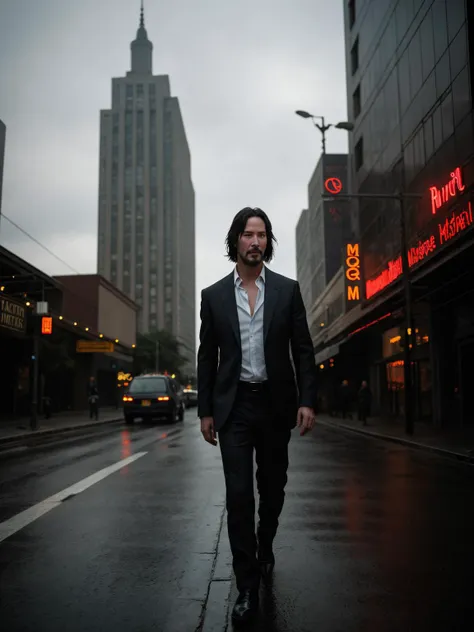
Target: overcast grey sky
[240,69]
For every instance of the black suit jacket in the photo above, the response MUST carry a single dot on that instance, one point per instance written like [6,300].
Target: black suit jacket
[220,351]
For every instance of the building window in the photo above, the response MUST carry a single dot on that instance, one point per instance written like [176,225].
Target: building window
[356,106]
[152,95]
[359,154]
[352,13]
[355,57]
[129,96]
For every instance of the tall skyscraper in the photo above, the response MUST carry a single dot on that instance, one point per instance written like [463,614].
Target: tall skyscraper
[2,154]
[146,199]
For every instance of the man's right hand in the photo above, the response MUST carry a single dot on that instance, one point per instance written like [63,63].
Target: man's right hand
[208,431]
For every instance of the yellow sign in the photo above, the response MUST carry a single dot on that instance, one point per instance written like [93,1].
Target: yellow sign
[12,315]
[124,377]
[94,346]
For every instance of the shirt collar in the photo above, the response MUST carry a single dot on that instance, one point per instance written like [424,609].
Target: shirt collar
[238,280]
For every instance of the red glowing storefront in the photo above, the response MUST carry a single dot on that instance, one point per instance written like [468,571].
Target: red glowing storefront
[441,259]
[451,216]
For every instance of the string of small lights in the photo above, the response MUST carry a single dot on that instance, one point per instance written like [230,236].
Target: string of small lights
[31,304]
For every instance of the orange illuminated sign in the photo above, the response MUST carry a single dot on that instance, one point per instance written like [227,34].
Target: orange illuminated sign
[47,325]
[352,272]
[439,197]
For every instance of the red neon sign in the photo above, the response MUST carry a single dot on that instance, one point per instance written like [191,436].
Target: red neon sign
[439,197]
[387,276]
[374,322]
[334,212]
[458,222]
[333,185]
[455,225]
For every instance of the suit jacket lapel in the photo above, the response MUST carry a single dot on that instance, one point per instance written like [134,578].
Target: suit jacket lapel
[230,305]
[271,299]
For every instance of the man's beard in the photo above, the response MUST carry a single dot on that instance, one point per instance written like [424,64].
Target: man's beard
[252,262]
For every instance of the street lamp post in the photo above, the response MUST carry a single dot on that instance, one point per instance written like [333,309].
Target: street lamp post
[323,128]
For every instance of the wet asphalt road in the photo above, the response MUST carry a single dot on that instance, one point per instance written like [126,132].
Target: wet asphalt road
[373,537]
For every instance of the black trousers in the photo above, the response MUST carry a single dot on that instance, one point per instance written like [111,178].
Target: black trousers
[250,429]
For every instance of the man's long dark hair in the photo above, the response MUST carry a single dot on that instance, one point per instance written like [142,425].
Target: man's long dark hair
[238,227]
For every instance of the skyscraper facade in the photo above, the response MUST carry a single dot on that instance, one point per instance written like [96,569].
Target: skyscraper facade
[146,199]
[2,155]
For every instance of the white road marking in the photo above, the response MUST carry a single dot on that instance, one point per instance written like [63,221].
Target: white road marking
[26,517]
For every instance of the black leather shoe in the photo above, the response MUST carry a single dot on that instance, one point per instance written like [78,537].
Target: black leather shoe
[246,606]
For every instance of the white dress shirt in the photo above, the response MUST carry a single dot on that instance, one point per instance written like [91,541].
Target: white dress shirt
[251,330]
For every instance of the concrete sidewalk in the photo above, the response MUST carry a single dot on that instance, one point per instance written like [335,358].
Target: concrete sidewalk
[17,431]
[454,443]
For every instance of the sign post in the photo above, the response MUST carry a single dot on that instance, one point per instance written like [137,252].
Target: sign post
[35,360]
[409,422]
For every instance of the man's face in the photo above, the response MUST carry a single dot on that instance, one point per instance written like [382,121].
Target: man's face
[253,242]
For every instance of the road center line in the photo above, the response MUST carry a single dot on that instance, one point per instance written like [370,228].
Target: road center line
[26,517]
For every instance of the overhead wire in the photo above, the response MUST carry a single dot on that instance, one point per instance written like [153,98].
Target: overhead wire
[49,251]
[36,241]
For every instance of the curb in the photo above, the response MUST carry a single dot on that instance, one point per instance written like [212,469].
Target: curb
[40,434]
[458,456]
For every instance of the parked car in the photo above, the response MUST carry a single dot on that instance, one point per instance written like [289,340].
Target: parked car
[190,397]
[153,396]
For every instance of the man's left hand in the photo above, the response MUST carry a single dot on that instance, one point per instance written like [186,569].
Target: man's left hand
[305,420]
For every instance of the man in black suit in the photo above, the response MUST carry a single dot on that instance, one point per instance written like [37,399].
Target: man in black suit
[252,393]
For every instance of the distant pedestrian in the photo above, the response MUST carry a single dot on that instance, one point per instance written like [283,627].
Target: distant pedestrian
[364,401]
[345,400]
[93,398]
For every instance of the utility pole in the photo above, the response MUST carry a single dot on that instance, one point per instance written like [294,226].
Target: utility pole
[35,358]
[408,337]
[157,356]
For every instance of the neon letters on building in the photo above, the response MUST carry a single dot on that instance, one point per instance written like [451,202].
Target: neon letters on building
[439,197]
[447,230]
[352,272]
[387,276]
[459,221]
[455,224]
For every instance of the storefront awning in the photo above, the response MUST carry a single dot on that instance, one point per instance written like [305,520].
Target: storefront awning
[326,353]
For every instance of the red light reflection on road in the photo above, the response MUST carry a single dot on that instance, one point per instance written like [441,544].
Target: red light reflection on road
[126,444]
